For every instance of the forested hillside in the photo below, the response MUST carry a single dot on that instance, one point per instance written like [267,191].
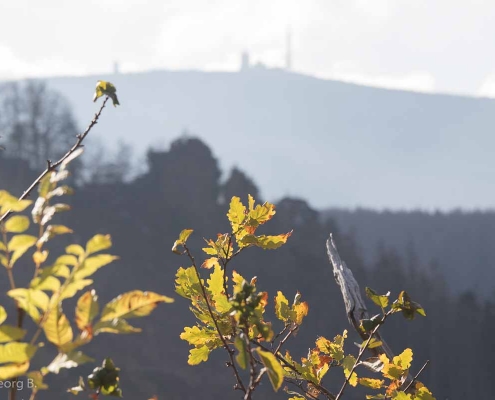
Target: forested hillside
[182,188]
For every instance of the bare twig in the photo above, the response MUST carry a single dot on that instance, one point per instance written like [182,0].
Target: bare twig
[286,337]
[322,389]
[360,354]
[416,376]
[52,166]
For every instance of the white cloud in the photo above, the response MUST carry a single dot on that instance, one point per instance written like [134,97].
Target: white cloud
[348,71]
[13,67]
[487,88]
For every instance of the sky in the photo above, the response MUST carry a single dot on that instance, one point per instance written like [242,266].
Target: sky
[430,46]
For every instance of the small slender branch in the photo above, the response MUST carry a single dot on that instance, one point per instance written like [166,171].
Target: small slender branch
[297,383]
[225,344]
[252,369]
[360,354]
[52,166]
[289,334]
[279,334]
[416,376]
[322,389]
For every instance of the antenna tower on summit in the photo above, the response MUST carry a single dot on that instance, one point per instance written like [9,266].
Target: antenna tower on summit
[288,50]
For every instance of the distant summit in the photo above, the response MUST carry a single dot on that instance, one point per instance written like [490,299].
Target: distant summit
[333,143]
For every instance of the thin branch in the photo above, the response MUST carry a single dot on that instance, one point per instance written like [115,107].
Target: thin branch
[360,354]
[52,166]
[252,370]
[225,344]
[289,334]
[416,376]
[322,389]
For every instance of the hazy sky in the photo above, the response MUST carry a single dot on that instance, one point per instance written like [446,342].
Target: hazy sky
[438,46]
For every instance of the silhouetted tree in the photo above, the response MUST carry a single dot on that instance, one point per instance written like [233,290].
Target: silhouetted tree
[238,184]
[37,122]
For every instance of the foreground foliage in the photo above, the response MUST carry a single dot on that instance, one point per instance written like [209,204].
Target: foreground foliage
[231,314]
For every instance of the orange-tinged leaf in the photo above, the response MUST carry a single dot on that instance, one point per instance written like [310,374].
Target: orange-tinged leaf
[371,383]
[299,311]
[210,263]
[86,310]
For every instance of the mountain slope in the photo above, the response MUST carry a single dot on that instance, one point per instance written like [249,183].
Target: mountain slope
[333,143]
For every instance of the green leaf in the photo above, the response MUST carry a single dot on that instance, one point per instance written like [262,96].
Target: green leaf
[30,300]
[3,315]
[242,357]
[371,383]
[11,203]
[273,368]
[117,326]
[19,244]
[282,307]
[408,307]
[16,352]
[236,213]
[17,224]
[402,396]
[133,304]
[8,333]
[215,287]
[75,249]
[98,243]
[47,283]
[404,359]
[423,393]
[187,283]
[57,328]
[198,355]
[347,365]
[86,310]
[73,287]
[66,259]
[37,379]
[183,236]
[379,300]
[335,349]
[266,242]
[198,336]
[9,371]
[92,264]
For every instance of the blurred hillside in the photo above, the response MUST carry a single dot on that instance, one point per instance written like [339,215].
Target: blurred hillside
[335,144]
[183,189]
